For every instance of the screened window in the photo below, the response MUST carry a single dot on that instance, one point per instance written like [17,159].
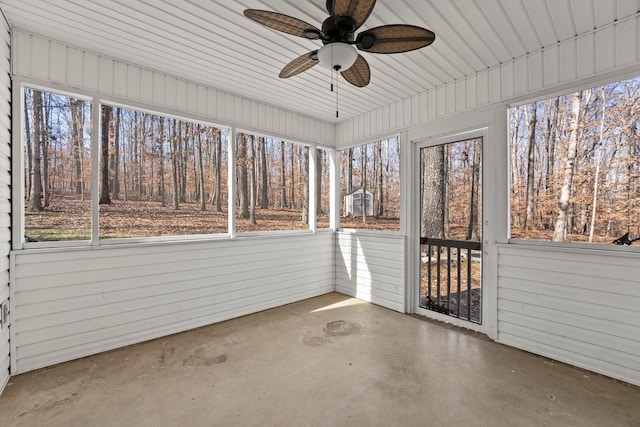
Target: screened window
[370,186]
[161,176]
[272,181]
[57,167]
[575,164]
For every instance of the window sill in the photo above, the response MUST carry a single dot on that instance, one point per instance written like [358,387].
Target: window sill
[574,247]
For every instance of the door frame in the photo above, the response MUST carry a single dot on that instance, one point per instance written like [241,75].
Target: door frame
[414,230]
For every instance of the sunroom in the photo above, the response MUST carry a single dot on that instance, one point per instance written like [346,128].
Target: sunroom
[158,175]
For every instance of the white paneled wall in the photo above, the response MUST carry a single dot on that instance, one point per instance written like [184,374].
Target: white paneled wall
[5,191]
[370,266]
[75,302]
[611,49]
[43,60]
[580,306]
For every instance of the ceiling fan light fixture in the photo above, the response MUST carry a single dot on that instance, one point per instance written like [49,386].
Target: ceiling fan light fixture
[337,56]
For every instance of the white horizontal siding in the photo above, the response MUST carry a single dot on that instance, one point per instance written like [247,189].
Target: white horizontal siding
[5,190]
[73,303]
[371,267]
[49,61]
[610,49]
[581,306]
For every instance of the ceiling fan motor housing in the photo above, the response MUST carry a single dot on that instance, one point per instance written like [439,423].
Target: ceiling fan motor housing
[338,28]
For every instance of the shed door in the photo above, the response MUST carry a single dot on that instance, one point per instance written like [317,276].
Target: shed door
[451,230]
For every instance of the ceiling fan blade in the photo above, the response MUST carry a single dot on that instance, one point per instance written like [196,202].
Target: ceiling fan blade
[358,10]
[300,64]
[285,23]
[359,74]
[394,38]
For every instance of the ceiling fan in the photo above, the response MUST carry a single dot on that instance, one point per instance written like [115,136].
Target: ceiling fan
[340,42]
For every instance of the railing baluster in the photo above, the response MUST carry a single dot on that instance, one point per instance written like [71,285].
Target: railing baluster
[448,279]
[429,273]
[438,275]
[468,284]
[459,267]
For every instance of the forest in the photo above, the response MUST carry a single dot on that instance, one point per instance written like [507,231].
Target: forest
[164,176]
[575,165]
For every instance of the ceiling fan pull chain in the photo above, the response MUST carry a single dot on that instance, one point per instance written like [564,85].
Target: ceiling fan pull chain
[337,95]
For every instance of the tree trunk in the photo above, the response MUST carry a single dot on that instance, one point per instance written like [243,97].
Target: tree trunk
[115,191]
[28,136]
[75,105]
[292,198]
[529,223]
[515,182]
[174,164]
[364,183]
[161,140]
[305,190]
[433,193]
[203,197]
[243,189]
[283,179]
[350,171]
[46,136]
[254,187]
[140,146]
[36,200]
[473,229]
[105,199]
[218,171]
[264,200]
[560,228]
[446,226]
[550,181]
[318,165]
[380,180]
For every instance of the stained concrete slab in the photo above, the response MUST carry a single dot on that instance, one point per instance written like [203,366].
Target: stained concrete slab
[327,361]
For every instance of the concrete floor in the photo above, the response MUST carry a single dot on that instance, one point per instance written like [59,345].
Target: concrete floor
[327,361]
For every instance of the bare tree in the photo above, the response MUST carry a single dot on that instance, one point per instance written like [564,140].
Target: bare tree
[76,109]
[115,190]
[305,191]
[252,161]
[283,186]
[161,141]
[350,170]
[203,198]
[529,220]
[379,180]
[243,185]
[560,229]
[473,228]
[218,170]
[46,137]
[105,198]
[433,197]
[264,199]
[174,163]
[27,137]
[36,199]
[319,160]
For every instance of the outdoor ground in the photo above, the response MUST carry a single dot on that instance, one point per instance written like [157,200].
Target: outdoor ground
[70,219]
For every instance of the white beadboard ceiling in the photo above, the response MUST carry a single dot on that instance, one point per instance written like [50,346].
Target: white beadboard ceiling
[211,42]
